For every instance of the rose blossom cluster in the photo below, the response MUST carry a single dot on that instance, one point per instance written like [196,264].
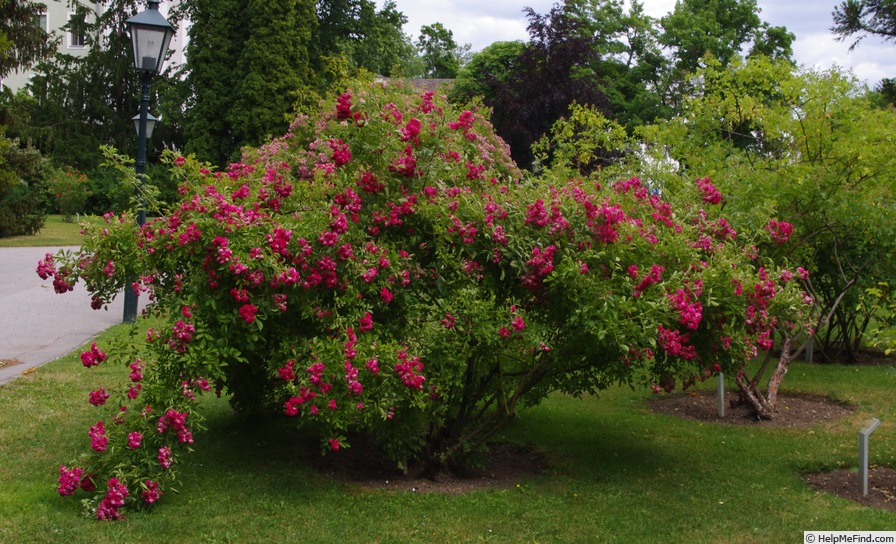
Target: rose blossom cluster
[116,493]
[93,356]
[46,269]
[780,231]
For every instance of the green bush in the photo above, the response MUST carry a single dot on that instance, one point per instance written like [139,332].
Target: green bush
[109,193]
[23,189]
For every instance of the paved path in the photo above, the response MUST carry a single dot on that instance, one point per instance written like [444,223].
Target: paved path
[37,325]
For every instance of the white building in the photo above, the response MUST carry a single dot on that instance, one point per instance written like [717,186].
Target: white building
[57,13]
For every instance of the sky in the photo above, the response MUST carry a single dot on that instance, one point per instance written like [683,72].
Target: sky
[482,22]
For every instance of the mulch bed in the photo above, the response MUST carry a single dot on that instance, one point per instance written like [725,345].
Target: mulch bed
[845,484]
[794,410]
[363,464]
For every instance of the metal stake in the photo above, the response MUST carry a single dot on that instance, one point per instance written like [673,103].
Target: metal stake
[721,394]
[863,454]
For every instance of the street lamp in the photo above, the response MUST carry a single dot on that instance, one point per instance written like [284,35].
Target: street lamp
[150,35]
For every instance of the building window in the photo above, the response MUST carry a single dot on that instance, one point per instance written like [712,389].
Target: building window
[77,32]
[41,21]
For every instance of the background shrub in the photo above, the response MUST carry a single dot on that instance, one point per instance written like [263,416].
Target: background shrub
[23,189]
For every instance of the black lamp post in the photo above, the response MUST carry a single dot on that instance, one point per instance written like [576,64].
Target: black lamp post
[150,35]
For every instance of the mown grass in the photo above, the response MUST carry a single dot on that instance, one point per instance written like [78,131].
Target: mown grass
[56,232]
[618,473]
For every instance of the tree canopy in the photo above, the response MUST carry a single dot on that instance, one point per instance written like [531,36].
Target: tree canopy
[635,69]
[366,38]
[630,61]
[721,28]
[530,91]
[438,51]
[860,18]
[22,41]
[487,71]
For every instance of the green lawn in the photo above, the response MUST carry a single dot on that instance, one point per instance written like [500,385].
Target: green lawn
[619,473]
[56,232]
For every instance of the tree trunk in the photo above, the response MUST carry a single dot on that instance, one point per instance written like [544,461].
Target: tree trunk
[774,382]
[766,405]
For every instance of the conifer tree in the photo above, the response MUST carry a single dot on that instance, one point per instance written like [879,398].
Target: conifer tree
[248,63]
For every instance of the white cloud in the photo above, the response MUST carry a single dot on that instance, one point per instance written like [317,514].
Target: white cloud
[497,30]
[478,23]
[870,62]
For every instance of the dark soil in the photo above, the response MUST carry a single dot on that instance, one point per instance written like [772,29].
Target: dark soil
[843,483]
[794,410]
[363,464]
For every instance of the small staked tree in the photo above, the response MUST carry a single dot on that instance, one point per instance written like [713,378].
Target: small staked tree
[808,146]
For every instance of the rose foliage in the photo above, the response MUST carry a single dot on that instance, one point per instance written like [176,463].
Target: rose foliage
[385,269]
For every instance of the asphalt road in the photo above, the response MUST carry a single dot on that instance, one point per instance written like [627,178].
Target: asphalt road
[37,325]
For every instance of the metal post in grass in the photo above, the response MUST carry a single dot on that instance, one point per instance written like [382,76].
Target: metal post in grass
[721,390]
[863,454]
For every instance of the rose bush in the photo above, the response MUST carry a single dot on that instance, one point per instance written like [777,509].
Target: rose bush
[385,269]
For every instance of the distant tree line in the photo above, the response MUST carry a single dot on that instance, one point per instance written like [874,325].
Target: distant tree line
[252,65]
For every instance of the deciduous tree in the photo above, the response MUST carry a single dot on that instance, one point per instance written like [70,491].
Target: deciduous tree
[369,39]
[439,51]
[487,71]
[556,68]
[632,67]
[722,28]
